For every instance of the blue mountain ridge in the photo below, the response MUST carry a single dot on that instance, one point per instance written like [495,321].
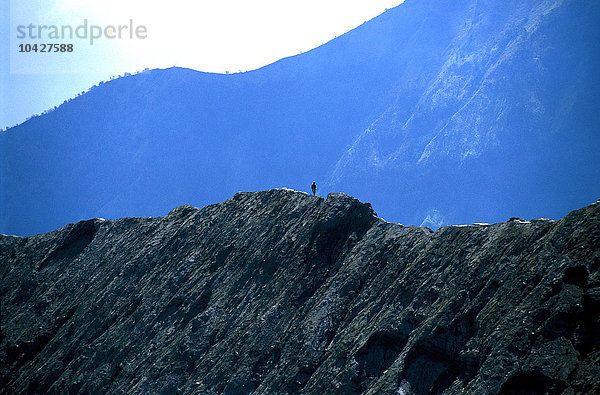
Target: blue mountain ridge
[436,112]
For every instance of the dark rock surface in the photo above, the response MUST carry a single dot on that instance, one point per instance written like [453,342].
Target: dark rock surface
[282,292]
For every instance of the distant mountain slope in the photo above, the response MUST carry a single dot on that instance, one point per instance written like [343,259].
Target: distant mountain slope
[448,110]
[506,124]
[280,292]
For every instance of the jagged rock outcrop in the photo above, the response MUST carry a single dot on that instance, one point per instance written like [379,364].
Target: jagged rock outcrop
[282,292]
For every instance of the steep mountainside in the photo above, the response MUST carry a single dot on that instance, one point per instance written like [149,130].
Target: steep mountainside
[281,292]
[444,111]
[506,123]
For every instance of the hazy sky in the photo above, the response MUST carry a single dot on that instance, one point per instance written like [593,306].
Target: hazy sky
[215,36]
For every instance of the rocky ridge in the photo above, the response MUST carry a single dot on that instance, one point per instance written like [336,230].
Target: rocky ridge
[284,292]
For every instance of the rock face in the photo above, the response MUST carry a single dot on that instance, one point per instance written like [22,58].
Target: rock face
[437,111]
[283,292]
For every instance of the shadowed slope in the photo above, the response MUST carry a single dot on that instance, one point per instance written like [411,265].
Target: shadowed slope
[280,292]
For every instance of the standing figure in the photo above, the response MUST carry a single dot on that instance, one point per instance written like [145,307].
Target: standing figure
[314,187]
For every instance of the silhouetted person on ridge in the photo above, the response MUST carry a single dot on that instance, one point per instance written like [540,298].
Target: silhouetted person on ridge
[314,187]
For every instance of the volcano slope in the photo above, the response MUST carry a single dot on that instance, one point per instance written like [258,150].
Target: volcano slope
[437,112]
[282,292]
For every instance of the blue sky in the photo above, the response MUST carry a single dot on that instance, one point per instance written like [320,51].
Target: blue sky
[214,36]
